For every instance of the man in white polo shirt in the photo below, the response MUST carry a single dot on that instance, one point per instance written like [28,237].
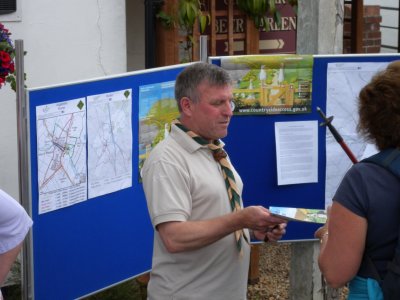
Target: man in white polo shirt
[201,241]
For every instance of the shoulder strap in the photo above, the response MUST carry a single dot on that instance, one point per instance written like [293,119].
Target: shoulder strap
[388,158]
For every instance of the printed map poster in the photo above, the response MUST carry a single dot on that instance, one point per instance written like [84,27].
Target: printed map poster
[109,123]
[61,151]
[344,82]
[300,214]
[157,108]
[277,84]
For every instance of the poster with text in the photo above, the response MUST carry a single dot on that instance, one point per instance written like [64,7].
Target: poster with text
[61,154]
[279,84]
[109,125]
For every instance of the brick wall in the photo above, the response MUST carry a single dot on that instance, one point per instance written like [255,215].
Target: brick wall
[372,30]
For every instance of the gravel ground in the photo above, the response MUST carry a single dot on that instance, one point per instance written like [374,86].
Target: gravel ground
[274,268]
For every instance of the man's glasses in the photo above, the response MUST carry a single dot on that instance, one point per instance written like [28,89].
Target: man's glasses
[232,105]
[221,104]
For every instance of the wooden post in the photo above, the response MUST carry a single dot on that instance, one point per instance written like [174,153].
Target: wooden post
[213,34]
[254,271]
[167,52]
[357,25]
[252,37]
[143,280]
[196,43]
[231,47]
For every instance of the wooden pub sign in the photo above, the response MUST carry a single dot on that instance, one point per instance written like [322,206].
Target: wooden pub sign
[281,38]
[230,32]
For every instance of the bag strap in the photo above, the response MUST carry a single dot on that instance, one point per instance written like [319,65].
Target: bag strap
[390,160]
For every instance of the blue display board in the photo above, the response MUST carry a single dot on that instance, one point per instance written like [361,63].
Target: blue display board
[86,247]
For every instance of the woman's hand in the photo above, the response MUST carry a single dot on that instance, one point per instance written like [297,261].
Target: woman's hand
[323,230]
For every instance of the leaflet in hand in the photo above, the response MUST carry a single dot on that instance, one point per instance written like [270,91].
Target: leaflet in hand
[299,214]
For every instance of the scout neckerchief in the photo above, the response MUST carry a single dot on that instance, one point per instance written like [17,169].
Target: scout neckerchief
[220,155]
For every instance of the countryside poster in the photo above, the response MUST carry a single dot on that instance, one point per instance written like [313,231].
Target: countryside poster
[157,108]
[276,84]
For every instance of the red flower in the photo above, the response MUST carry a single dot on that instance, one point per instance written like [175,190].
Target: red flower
[5,57]
[12,68]
[7,67]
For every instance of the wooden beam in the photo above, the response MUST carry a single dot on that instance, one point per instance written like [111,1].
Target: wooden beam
[213,41]
[252,37]
[254,270]
[357,26]
[167,41]
[196,41]
[230,27]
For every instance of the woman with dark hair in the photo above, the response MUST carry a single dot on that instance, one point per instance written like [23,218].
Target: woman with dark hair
[364,219]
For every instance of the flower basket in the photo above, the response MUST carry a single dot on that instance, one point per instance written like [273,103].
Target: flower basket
[7,55]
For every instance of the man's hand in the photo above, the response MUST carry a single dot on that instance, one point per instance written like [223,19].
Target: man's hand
[272,234]
[265,226]
[179,236]
[258,218]
[324,229]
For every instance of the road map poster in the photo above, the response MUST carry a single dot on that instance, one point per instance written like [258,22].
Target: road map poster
[157,108]
[109,123]
[276,84]
[61,151]
[344,82]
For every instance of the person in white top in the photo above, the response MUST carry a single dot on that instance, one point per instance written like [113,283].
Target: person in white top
[14,226]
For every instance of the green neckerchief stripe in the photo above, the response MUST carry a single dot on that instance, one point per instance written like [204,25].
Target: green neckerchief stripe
[220,155]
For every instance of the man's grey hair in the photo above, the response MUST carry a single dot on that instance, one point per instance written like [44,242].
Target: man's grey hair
[191,77]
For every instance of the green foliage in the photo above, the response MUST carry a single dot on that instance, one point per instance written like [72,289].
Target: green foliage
[204,20]
[166,20]
[129,290]
[12,81]
[184,15]
[187,12]
[5,46]
[257,10]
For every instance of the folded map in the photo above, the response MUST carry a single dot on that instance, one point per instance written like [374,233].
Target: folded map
[299,214]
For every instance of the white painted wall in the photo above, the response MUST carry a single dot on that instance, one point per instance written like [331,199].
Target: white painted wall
[66,41]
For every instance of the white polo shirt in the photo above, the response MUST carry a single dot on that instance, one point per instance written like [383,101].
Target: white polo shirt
[183,182]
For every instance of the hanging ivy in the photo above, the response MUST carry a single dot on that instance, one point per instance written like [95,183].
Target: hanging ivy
[257,10]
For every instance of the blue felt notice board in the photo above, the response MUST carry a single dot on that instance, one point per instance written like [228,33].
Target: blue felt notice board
[97,243]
